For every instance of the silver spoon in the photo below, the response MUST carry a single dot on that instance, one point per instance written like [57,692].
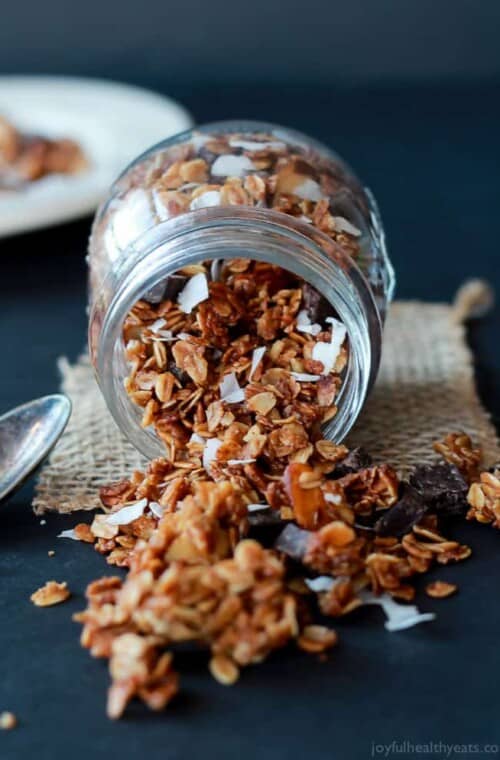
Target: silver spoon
[27,434]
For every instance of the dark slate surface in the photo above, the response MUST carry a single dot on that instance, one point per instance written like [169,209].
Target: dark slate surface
[432,157]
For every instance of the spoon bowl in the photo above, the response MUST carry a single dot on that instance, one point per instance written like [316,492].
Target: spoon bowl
[27,435]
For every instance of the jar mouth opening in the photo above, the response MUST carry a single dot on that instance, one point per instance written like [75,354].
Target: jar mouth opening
[257,234]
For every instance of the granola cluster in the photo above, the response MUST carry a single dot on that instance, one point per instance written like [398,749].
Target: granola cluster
[26,158]
[208,566]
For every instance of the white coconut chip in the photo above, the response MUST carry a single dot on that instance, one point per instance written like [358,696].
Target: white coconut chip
[229,165]
[230,390]
[156,509]
[157,325]
[321,583]
[194,292]
[293,541]
[234,462]
[184,336]
[212,445]
[304,377]
[327,353]
[344,225]
[205,200]
[195,438]
[257,355]
[305,325]
[399,616]
[127,514]
[309,190]
[333,498]
[254,145]
[257,507]
[68,534]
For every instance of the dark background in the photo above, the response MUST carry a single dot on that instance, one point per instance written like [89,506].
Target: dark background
[408,93]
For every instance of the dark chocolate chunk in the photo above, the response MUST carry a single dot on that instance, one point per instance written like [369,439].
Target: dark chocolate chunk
[316,306]
[357,459]
[166,290]
[442,487]
[406,513]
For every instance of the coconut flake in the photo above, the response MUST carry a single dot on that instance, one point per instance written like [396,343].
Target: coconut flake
[194,292]
[344,225]
[212,445]
[233,462]
[309,190]
[195,438]
[230,390]
[305,325]
[157,325]
[127,514]
[253,145]
[205,200]
[257,507]
[327,353]
[333,498]
[399,616]
[304,377]
[68,534]
[229,165]
[156,509]
[293,541]
[257,355]
[321,583]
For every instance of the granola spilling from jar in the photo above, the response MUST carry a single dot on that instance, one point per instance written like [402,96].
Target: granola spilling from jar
[235,375]
[208,565]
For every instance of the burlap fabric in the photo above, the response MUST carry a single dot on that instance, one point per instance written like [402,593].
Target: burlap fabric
[425,389]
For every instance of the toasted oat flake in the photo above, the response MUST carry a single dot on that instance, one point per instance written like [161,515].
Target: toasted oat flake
[230,390]
[127,514]
[229,165]
[8,721]
[440,589]
[205,200]
[194,292]
[51,593]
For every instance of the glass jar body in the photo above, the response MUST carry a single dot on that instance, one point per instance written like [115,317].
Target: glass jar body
[238,191]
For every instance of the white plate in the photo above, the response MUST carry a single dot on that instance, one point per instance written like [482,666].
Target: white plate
[113,123]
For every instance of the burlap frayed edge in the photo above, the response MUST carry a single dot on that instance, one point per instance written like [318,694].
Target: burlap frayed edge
[425,389]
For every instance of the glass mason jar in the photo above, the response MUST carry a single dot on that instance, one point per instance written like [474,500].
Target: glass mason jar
[238,190]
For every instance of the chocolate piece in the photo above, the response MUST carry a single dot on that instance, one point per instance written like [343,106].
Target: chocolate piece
[442,487]
[406,513]
[316,306]
[357,459]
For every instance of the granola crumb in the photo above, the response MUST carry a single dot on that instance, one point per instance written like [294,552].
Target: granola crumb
[8,721]
[51,553]
[440,589]
[51,593]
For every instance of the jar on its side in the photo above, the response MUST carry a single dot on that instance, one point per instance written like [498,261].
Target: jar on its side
[232,191]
